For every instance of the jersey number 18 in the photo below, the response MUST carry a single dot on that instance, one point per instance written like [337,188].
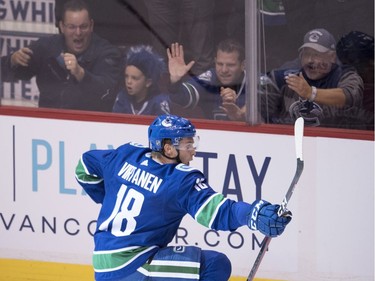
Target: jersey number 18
[128,206]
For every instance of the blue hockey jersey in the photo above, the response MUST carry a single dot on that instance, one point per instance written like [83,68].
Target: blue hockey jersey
[204,91]
[143,203]
[153,105]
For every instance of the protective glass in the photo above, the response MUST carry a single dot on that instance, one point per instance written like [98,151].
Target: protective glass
[191,145]
[316,59]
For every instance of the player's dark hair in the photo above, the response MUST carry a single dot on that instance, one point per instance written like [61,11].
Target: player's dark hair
[75,5]
[231,45]
[166,141]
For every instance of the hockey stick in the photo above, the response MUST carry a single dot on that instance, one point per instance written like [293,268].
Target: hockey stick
[298,136]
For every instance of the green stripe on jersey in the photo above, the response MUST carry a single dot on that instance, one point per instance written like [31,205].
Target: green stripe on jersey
[172,268]
[207,212]
[105,261]
[83,176]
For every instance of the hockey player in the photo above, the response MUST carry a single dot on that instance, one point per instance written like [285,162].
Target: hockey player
[145,192]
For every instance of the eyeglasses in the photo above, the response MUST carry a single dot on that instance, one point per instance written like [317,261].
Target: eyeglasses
[82,27]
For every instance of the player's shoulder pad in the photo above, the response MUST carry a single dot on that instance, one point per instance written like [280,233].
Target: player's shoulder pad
[133,147]
[137,145]
[185,168]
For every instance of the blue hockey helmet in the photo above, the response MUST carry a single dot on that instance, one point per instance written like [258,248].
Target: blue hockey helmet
[169,127]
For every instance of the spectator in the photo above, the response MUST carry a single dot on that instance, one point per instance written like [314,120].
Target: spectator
[141,94]
[187,21]
[145,192]
[320,91]
[75,69]
[121,22]
[223,83]
[356,49]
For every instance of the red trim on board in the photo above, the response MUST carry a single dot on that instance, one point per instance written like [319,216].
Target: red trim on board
[199,123]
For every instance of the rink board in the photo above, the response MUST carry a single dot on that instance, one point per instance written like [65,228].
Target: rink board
[45,216]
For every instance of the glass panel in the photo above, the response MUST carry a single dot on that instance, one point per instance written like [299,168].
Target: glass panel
[198,26]
[318,62]
[20,24]
[208,83]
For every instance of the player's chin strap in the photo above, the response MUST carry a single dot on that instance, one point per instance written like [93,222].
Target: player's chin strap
[177,158]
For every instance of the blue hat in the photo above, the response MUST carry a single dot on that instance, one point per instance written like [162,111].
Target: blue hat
[146,60]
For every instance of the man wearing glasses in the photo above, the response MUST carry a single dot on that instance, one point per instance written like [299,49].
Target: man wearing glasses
[75,69]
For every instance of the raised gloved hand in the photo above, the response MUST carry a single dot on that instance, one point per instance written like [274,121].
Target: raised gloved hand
[265,219]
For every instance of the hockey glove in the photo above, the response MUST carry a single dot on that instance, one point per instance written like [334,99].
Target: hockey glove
[264,218]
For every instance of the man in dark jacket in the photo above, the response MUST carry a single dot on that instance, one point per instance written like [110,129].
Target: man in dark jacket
[74,70]
[214,88]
